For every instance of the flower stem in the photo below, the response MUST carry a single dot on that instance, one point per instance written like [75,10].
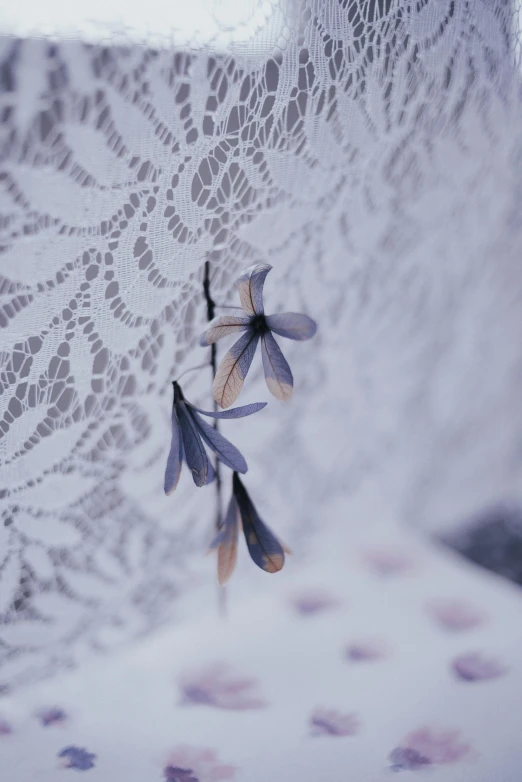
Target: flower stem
[211,308]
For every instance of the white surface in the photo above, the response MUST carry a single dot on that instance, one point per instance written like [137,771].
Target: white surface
[128,710]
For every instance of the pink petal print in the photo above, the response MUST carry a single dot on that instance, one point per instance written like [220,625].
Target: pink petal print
[52,716]
[195,764]
[328,722]
[313,602]
[218,687]
[474,667]
[366,651]
[5,727]
[388,561]
[456,616]
[438,746]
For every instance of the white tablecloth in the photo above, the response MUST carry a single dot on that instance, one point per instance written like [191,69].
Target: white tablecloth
[379,653]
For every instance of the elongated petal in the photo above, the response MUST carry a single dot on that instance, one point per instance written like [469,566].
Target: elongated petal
[224,450]
[211,473]
[226,542]
[263,546]
[292,325]
[195,453]
[221,327]
[235,412]
[278,375]
[175,458]
[233,369]
[250,287]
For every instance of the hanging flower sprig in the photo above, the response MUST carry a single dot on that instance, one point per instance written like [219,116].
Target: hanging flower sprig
[264,548]
[189,432]
[234,367]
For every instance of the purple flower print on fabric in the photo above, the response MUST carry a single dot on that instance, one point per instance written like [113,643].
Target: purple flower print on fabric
[313,602]
[5,727]
[191,764]
[475,667]
[388,561]
[429,747]
[328,722]
[52,716]
[365,651]
[455,615]
[407,759]
[77,758]
[217,686]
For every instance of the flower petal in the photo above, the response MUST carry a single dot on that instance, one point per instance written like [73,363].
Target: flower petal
[292,325]
[235,412]
[195,453]
[250,287]
[211,473]
[233,369]
[224,450]
[278,375]
[175,458]
[226,542]
[221,327]
[263,546]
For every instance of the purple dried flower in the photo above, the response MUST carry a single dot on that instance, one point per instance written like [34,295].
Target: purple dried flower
[77,758]
[189,432]
[475,667]
[257,326]
[263,546]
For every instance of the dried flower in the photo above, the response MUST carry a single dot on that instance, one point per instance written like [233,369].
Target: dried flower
[189,432]
[257,326]
[263,546]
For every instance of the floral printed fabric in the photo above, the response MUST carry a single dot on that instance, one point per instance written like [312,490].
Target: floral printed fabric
[377,657]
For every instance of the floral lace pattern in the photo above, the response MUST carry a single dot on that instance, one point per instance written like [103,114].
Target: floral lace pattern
[373,161]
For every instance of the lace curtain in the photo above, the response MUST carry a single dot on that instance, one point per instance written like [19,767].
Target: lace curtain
[369,151]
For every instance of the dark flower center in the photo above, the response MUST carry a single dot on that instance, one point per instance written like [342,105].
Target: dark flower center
[258,325]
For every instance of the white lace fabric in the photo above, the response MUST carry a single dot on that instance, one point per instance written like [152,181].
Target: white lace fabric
[373,158]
